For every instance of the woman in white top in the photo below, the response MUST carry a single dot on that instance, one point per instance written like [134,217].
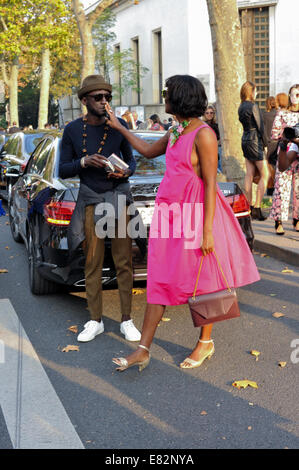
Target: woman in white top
[285,181]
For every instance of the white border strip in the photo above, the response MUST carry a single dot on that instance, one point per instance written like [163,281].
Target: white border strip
[34,414]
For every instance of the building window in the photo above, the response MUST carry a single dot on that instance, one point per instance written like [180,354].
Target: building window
[136,93]
[255,38]
[157,67]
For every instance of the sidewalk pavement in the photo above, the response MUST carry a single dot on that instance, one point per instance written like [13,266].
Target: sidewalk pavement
[283,247]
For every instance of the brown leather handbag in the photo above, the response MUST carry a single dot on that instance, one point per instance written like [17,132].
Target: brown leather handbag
[217,306]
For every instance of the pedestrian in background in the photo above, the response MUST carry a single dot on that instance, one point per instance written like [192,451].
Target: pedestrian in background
[284,181]
[288,156]
[268,117]
[210,118]
[86,144]
[190,179]
[253,143]
[157,124]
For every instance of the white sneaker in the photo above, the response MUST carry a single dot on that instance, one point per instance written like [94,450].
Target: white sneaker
[91,329]
[130,331]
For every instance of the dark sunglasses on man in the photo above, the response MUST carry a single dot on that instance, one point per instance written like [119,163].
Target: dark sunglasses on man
[100,96]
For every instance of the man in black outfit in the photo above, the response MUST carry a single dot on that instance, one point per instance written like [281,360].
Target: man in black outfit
[86,144]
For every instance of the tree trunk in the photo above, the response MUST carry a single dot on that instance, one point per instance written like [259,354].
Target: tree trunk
[44,89]
[85,30]
[88,51]
[85,24]
[13,92]
[230,74]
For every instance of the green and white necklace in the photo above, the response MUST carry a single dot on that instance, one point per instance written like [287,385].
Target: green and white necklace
[176,132]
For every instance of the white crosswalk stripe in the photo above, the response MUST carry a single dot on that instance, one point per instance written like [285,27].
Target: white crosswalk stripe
[34,414]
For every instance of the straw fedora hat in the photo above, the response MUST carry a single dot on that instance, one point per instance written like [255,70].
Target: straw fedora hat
[91,83]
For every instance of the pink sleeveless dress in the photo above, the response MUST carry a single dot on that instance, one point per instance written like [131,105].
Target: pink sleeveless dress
[176,230]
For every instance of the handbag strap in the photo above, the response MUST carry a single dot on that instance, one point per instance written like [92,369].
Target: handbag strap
[199,271]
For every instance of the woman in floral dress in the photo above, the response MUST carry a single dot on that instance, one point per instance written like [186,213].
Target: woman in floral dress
[285,180]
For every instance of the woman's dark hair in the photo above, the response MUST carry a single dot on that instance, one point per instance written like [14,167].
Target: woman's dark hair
[186,96]
[155,118]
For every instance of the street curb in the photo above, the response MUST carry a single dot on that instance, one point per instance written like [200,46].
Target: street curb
[277,252]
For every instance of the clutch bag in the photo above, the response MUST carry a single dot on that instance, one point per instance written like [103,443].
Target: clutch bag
[214,307]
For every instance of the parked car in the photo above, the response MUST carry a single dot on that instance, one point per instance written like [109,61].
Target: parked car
[3,138]
[41,206]
[14,154]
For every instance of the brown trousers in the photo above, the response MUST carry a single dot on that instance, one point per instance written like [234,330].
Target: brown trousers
[94,249]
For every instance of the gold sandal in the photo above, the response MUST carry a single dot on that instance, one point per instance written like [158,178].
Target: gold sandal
[192,364]
[123,363]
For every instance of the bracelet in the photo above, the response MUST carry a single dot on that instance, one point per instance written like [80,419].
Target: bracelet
[82,162]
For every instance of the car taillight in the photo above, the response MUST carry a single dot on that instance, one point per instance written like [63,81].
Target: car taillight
[239,205]
[59,212]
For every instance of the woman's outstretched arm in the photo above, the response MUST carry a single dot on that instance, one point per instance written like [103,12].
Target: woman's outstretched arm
[144,148]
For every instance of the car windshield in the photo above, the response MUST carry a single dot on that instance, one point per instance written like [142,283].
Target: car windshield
[31,141]
[151,166]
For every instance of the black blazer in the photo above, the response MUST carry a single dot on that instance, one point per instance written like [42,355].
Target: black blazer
[251,118]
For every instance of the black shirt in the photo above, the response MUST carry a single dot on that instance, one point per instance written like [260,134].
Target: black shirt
[72,152]
[268,122]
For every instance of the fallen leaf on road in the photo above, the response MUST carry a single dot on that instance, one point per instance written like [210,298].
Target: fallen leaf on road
[73,328]
[79,294]
[244,383]
[255,353]
[287,270]
[7,248]
[3,271]
[249,428]
[165,319]
[70,347]
[203,413]
[282,364]
[277,314]
[264,255]
[137,291]
[272,295]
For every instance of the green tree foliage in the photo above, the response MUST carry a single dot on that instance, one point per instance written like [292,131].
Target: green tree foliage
[38,37]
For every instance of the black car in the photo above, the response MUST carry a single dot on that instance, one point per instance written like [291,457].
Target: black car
[42,204]
[14,154]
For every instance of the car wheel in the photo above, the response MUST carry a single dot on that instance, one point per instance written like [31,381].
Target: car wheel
[38,284]
[14,227]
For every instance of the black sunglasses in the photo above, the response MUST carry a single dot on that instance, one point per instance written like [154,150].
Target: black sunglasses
[100,96]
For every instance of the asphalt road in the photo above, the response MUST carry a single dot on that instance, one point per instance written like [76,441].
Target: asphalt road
[163,407]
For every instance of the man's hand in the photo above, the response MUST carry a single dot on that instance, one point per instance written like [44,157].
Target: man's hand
[119,174]
[96,160]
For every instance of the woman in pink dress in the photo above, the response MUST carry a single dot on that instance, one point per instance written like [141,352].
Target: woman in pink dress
[192,219]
